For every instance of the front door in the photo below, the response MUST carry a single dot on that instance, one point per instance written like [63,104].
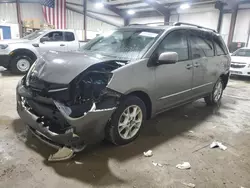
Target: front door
[173,81]
[55,41]
[202,53]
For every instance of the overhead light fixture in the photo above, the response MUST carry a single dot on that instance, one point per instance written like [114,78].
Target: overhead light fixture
[99,5]
[131,12]
[185,6]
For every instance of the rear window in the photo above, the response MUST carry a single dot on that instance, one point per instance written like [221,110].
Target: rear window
[69,36]
[220,46]
[242,52]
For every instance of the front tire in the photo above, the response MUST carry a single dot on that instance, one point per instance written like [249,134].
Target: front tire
[20,64]
[127,120]
[215,97]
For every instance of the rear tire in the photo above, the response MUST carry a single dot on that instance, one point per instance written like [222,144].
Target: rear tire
[126,122]
[215,97]
[20,64]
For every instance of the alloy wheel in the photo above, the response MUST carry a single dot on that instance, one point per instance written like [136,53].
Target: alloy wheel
[130,122]
[218,91]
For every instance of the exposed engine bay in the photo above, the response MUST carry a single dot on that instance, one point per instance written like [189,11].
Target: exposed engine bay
[89,88]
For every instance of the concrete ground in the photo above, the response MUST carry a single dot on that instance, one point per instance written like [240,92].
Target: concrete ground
[182,134]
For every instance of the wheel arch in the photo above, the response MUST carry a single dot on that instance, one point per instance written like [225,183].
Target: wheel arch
[145,98]
[225,78]
[23,51]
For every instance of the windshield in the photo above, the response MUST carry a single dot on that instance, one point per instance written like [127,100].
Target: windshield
[123,44]
[242,52]
[34,35]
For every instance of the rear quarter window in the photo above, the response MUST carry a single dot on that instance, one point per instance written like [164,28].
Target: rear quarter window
[220,47]
[69,36]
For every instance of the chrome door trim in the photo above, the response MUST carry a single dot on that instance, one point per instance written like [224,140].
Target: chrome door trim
[167,96]
[55,90]
[164,97]
[197,87]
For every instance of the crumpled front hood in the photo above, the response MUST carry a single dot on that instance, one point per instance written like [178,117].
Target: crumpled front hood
[63,67]
[14,41]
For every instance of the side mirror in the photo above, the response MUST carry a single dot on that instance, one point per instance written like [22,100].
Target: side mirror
[44,39]
[167,58]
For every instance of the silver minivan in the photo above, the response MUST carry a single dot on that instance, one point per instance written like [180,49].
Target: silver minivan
[118,80]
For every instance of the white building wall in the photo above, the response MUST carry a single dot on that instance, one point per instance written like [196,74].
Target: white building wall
[8,17]
[204,15]
[206,19]
[242,26]
[94,27]
[31,11]
[110,16]
[174,18]
[8,13]
[147,20]
[225,26]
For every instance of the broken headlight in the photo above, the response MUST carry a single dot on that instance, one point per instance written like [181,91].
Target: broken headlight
[89,86]
[34,70]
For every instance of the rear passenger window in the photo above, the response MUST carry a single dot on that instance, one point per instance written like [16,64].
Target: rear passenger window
[219,46]
[69,36]
[201,47]
[176,41]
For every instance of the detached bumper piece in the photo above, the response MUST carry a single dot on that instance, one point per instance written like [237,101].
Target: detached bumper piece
[49,121]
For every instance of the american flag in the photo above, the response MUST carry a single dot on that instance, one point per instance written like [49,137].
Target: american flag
[54,12]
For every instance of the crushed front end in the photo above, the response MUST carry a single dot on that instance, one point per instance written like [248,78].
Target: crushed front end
[68,115]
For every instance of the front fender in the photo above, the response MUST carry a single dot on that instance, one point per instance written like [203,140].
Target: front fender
[22,46]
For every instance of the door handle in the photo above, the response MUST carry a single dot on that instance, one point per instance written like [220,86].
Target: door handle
[189,66]
[62,44]
[196,64]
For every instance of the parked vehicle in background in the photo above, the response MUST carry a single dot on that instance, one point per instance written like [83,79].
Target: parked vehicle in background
[117,81]
[240,62]
[18,55]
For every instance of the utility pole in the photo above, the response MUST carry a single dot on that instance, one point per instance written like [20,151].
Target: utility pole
[232,25]
[19,20]
[85,19]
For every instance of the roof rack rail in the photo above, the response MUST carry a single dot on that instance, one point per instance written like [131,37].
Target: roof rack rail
[189,24]
[153,23]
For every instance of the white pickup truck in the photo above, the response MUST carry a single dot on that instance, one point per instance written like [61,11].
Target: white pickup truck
[18,55]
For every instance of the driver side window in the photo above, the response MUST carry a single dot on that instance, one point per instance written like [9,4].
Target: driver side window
[54,36]
[176,41]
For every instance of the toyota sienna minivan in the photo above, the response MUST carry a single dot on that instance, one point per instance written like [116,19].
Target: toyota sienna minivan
[118,80]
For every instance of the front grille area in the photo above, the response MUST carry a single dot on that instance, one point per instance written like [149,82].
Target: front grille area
[237,66]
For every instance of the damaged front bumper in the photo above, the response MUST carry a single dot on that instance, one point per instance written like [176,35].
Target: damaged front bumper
[87,129]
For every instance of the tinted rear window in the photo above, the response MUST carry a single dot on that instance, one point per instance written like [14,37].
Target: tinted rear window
[242,52]
[220,47]
[69,36]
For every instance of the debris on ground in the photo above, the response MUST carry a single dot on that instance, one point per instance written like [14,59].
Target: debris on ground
[78,162]
[191,131]
[62,154]
[218,144]
[148,153]
[189,184]
[186,116]
[157,164]
[184,166]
